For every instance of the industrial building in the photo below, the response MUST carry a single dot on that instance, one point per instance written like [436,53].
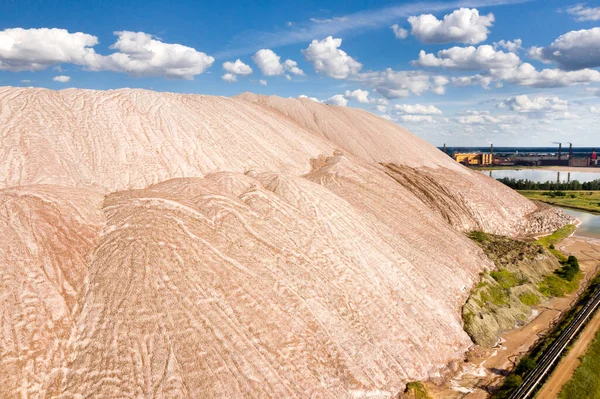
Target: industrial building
[526,159]
[474,159]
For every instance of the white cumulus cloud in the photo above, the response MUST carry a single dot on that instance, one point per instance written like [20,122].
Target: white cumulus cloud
[138,53]
[583,13]
[468,58]
[573,50]
[229,77]
[61,78]
[268,62]
[37,49]
[292,67]
[482,80]
[399,33]
[310,98]
[416,118]
[526,75]
[237,67]
[141,54]
[400,84]
[464,25]
[328,59]
[338,99]
[417,109]
[525,103]
[362,96]
[512,46]
[262,82]
[536,53]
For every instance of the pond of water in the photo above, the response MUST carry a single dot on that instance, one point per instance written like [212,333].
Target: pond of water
[590,224]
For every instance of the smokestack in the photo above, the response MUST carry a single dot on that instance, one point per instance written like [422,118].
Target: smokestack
[559,150]
[492,149]
[570,151]
[445,148]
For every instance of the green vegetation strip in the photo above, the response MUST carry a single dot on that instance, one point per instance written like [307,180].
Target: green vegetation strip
[557,236]
[586,379]
[575,185]
[528,363]
[551,240]
[588,201]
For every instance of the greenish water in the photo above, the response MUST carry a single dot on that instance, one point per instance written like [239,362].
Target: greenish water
[590,224]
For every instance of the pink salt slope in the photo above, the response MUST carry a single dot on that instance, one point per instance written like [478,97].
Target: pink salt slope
[166,245]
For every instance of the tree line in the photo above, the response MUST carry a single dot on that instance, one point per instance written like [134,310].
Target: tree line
[525,184]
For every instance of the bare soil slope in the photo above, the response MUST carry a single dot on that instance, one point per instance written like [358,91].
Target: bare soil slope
[165,245]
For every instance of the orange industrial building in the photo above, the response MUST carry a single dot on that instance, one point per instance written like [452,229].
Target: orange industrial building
[474,159]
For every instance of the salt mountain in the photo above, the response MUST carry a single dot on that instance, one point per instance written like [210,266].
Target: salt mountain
[163,245]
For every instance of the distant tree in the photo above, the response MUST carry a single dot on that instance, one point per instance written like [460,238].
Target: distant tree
[525,184]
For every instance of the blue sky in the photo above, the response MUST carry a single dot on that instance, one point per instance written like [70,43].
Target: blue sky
[473,72]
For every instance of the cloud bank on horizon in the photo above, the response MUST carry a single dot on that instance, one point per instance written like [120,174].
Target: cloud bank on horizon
[519,89]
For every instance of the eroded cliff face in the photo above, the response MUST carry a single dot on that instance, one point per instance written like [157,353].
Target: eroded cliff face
[195,246]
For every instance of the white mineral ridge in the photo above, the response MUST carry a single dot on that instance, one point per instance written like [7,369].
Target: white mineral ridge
[158,245]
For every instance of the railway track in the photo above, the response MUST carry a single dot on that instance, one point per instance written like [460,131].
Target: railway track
[532,381]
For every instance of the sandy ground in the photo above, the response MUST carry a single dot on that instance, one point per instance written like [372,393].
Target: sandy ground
[485,368]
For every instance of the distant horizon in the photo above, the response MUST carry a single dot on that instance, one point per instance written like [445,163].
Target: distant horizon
[513,146]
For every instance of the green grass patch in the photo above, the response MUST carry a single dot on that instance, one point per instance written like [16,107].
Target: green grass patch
[506,279]
[495,294]
[582,200]
[555,286]
[418,390]
[529,299]
[557,236]
[478,236]
[585,382]
[564,280]
[551,240]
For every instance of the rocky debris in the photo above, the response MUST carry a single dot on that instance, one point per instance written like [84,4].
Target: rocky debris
[545,219]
